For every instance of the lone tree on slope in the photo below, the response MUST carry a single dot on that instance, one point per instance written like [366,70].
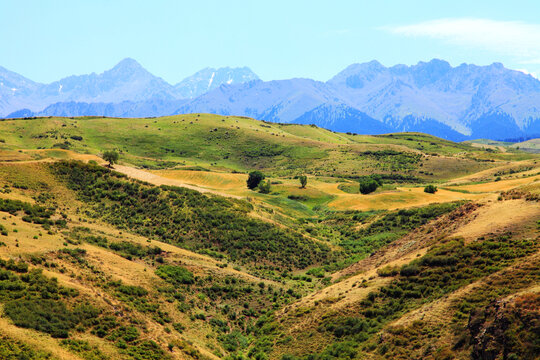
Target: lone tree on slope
[303,181]
[111,157]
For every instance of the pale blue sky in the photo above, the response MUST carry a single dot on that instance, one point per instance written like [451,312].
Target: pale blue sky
[45,40]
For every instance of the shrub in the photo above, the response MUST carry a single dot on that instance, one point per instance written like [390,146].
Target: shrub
[175,274]
[430,189]
[87,351]
[111,157]
[264,187]
[368,186]
[13,349]
[254,179]
[409,270]
[388,271]
[317,272]
[146,350]
[303,180]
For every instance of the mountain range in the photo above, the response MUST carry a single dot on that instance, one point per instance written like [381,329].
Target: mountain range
[456,103]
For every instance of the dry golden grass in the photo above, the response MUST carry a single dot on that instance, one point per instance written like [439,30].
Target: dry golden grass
[209,179]
[497,186]
[24,238]
[500,216]
[11,155]
[402,197]
[489,174]
[161,180]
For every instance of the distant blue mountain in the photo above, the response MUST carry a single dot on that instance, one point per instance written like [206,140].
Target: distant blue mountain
[343,118]
[128,82]
[455,103]
[280,100]
[146,108]
[429,126]
[209,79]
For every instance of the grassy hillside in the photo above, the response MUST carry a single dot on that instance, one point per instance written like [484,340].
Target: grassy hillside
[236,143]
[170,256]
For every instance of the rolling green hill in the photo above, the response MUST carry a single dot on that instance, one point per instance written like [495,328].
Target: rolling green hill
[241,144]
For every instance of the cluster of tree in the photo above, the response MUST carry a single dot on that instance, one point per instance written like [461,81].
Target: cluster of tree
[256,180]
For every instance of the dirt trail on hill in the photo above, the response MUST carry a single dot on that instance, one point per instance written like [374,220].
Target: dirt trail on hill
[160,180]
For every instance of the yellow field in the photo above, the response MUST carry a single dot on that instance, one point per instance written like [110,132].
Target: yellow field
[400,198]
[212,180]
[503,185]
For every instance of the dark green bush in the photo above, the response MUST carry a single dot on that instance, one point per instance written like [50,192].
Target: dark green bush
[368,186]
[46,315]
[175,274]
[264,187]
[254,179]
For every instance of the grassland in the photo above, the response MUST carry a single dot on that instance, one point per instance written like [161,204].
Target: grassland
[170,256]
[236,143]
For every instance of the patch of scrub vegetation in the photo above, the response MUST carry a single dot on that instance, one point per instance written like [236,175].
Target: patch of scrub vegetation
[444,269]
[138,299]
[342,229]
[466,315]
[126,249]
[84,349]
[32,213]
[12,349]
[175,274]
[187,218]
[392,160]
[48,315]
[34,301]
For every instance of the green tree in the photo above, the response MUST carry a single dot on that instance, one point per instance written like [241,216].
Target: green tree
[255,177]
[368,186]
[430,189]
[303,180]
[264,187]
[111,157]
